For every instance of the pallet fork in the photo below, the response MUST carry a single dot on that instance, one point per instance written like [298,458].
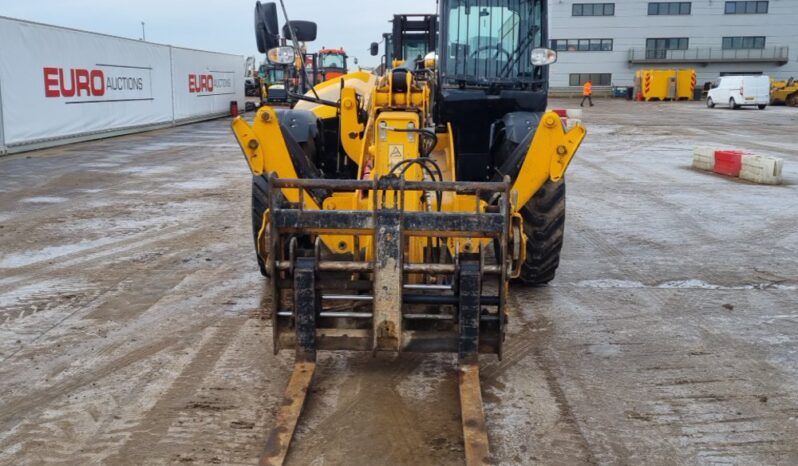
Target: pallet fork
[462,315]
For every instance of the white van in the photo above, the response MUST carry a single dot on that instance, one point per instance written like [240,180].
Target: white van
[736,91]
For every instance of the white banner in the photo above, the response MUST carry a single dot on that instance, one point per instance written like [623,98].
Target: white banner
[205,82]
[60,83]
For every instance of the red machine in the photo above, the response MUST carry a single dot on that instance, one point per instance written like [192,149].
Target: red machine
[331,64]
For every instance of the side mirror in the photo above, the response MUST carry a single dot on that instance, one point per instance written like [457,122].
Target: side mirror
[355,60]
[267,33]
[375,49]
[541,57]
[305,30]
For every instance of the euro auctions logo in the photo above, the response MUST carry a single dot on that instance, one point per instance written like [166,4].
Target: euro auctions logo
[101,83]
[211,83]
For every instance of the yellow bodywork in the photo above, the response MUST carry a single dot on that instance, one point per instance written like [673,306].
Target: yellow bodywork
[784,92]
[382,142]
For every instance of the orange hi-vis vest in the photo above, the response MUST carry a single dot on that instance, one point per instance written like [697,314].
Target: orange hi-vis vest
[588,89]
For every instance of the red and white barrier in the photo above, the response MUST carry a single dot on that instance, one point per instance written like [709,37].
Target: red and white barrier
[570,118]
[762,169]
[704,158]
[728,162]
[756,168]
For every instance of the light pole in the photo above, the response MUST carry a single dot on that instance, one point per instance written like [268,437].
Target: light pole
[143,33]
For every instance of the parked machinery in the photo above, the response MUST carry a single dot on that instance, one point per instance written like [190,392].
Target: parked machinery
[784,93]
[331,64]
[391,213]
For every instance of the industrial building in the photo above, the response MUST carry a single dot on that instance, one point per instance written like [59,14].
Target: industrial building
[607,42]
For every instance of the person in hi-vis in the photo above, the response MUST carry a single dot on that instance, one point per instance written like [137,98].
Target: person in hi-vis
[587,94]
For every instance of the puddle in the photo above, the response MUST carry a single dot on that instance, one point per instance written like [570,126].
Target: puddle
[44,200]
[49,253]
[690,284]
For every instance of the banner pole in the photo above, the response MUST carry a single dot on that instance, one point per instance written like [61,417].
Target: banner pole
[2,124]
[172,78]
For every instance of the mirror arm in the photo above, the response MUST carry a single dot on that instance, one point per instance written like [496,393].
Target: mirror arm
[314,100]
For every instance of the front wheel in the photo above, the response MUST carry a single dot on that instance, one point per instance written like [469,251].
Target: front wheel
[260,203]
[761,107]
[710,103]
[544,226]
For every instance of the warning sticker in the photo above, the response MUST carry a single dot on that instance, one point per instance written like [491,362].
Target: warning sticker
[396,153]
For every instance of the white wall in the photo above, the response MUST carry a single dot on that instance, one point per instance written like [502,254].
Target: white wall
[705,27]
[58,85]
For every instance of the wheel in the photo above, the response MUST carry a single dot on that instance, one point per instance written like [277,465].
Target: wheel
[792,100]
[761,107]
[260,202]
[732,104]
[710,103]
[544,225]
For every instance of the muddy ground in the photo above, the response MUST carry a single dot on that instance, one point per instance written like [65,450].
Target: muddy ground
[130,303]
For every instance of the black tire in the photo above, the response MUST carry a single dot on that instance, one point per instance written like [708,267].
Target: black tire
[260,203]
[710,103]
[762,107]
[792,100]
[733,105]
[544,225]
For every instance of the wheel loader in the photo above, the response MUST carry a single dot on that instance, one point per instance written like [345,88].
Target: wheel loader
[784,93]
[391,213]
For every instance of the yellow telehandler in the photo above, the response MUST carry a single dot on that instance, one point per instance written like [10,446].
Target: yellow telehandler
[391,213]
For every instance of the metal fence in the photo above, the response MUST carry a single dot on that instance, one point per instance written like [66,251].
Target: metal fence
[780,55]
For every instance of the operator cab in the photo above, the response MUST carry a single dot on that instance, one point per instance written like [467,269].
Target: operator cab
[489,79]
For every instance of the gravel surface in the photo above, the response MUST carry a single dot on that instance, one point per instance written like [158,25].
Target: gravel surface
[130,305]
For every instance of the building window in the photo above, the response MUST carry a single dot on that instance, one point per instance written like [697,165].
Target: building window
[582,45]
[598,79]
[594,9]
[658,48]
[746,8]
[747,42]
[669,8]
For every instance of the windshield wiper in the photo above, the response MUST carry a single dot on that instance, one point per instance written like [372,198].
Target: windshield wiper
[518,53]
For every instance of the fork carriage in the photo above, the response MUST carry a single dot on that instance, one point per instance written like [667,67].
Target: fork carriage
[376,298]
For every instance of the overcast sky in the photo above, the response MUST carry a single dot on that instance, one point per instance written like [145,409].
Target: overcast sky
[221,25]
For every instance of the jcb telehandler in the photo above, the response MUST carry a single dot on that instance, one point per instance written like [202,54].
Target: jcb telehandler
[391,213]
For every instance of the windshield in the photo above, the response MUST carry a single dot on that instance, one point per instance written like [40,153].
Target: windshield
[489,41]
[331,61]
[414,49]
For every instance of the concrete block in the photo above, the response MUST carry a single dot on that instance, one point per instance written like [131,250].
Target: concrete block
[704,158]
[574,113]
[762,169]
[572,123]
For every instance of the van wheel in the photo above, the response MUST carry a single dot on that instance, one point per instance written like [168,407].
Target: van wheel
[762,107]
[710,103]
[732,104]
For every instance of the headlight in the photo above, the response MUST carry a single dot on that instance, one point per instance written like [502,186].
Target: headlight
[281,55]
[542,57]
